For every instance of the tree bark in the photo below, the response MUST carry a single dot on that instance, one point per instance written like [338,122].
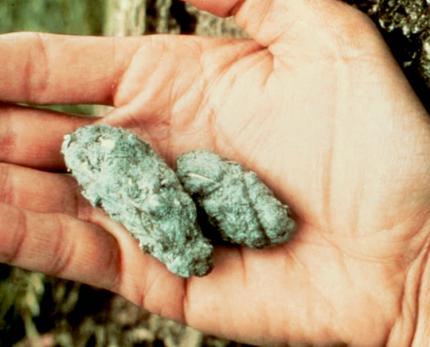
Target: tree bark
[125,17]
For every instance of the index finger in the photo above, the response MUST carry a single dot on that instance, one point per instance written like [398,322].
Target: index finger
[47,68]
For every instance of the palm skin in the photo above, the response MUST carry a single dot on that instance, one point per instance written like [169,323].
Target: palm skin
[319,110]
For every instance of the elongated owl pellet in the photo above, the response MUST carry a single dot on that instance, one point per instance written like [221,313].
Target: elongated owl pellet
[241,207]
[127,179]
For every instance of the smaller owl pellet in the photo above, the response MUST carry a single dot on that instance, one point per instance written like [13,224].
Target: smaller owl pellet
[123,175]
[241,207]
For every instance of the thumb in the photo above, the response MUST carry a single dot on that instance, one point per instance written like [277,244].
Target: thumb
[263,20]
[273,21]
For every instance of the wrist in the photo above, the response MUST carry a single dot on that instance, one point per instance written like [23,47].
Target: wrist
[412,328]
[422,329]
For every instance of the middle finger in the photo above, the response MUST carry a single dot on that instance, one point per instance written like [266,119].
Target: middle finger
[40,191]
[33,137]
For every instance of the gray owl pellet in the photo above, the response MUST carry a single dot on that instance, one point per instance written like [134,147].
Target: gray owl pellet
[237,203]
[124,176]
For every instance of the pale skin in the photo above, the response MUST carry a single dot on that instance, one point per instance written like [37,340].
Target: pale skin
[312,101]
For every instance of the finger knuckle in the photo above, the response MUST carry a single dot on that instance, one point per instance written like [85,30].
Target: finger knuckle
[36,68]
[13,229]
[63,252]
[113,274]
[6,187]
[7,136]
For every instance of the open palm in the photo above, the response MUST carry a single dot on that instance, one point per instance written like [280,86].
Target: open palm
[312,102]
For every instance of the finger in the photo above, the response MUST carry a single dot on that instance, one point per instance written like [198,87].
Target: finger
[45,68]
[33,137]
[42,191]
[58,245]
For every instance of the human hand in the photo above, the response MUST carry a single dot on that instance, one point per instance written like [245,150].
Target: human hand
[313,103]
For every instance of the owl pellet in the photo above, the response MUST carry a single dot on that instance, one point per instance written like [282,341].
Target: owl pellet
[126,178]
[241,207]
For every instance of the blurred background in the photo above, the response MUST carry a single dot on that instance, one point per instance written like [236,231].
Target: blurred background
[39,311]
